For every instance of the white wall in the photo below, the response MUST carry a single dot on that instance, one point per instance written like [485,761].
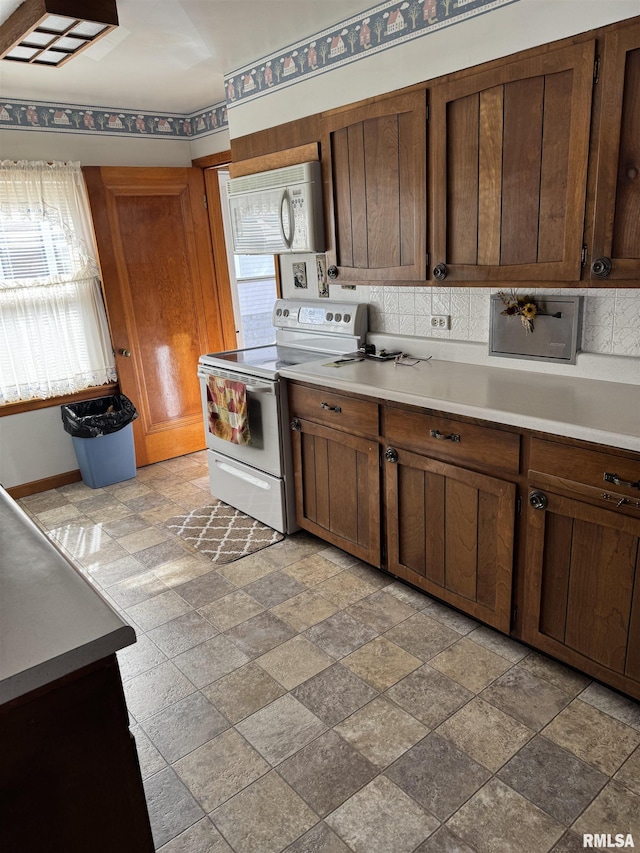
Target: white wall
[34,445]
[497,33]
[104,150]
[99,150]
[212,144]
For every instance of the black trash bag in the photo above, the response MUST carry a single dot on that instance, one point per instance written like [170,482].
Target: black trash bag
[103,416]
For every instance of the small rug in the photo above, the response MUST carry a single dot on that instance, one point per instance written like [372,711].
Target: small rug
[222,533]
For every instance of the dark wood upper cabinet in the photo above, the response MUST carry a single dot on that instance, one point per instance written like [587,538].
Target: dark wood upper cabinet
[375,179]
[615,251]
[508,169]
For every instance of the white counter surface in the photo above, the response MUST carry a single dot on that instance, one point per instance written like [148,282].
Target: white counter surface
[52,621]
[604,412]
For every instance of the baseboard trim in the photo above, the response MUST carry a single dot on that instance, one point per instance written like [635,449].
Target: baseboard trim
[44,485]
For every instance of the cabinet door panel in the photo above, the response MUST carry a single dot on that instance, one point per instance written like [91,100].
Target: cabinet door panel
[582,569]
[450,532]
[490,176]
[488,510]
[521,167]
[337,486]
[508,162]
[461,538]
[555,582]
[374,157]
[554,167]
[383,199]
[462,156]
[617,206]
[342,469]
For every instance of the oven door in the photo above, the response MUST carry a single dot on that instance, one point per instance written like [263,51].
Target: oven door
[263,404]
[251,491]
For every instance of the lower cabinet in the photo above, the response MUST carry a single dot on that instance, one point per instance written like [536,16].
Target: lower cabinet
[583,587]
[582,563]
[337,485]
[450,531]
[68,754]
[445,521]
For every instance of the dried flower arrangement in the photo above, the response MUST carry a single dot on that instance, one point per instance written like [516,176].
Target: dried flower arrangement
[520,306]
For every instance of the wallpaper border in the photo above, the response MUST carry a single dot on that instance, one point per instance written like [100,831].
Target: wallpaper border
[19,114]
[376,29]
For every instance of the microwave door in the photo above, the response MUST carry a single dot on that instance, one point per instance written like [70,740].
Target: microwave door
[260,222]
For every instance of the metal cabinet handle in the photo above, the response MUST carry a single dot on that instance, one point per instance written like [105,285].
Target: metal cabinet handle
[538,500]
[601,267]
[453,436]
[440,272]
[333,272]
[125,353]
[296,426]
[613,478]
[329,408]
[391,454]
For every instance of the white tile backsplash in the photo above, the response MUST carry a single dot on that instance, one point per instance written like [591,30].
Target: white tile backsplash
[611,322]
[611,317]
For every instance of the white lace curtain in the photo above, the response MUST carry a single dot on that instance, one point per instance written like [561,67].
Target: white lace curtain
[54,337]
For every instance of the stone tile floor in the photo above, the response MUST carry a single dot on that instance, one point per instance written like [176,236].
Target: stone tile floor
[300,700]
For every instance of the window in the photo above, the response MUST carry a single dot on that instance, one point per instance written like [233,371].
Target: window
[54,338]
[253,286]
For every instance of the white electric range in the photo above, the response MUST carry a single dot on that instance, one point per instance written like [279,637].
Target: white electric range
[258,478]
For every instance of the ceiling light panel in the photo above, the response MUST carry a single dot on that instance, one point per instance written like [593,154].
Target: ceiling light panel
[51,32]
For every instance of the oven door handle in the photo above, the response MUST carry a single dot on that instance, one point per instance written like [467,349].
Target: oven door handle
[253,389]
[242,475]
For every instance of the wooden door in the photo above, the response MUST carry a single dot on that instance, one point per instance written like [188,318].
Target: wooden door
[450,531]
[155,253]
[337,485]
[615,252]
[508,152]
[374,159]
[583,588]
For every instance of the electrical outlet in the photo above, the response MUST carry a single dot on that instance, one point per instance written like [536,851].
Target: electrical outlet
[440,321]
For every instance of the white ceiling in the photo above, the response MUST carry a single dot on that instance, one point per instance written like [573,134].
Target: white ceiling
[172,54]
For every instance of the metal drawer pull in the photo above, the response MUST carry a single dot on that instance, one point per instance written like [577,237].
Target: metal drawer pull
[453,436]
[329,408]
[613,478]
[622,502]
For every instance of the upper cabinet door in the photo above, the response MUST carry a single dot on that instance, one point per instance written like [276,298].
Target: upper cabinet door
[375,161]
[616,240]
[509,152]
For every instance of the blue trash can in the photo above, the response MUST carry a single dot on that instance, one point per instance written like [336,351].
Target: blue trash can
[102,434]
[106,459]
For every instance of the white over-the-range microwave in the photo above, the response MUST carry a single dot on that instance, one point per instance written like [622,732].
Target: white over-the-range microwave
[277,212]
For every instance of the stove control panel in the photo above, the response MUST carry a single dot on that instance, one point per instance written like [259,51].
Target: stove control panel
[349,318]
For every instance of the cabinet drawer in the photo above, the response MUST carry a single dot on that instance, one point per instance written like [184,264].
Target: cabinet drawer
[589,467]
[453,441]
[332,409]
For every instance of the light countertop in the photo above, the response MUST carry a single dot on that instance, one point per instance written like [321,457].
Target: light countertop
[603,412]
[52,621]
